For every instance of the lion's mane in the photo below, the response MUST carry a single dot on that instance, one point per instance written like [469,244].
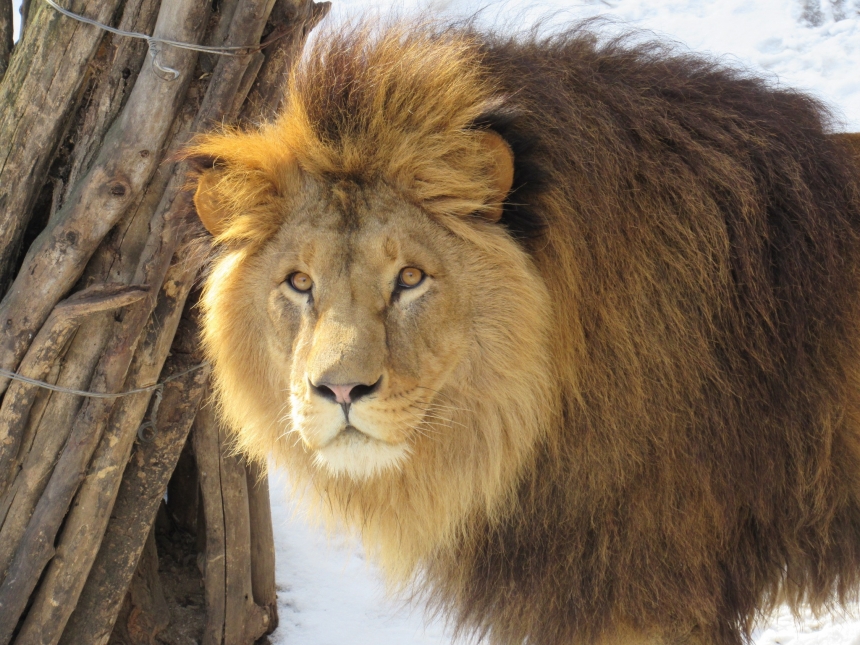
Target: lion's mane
[699,236]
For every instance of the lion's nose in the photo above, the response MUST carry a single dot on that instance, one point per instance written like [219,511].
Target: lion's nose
[344,394]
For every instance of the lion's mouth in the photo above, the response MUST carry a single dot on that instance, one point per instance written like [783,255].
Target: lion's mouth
[352,431]
[359,454]
[350,435]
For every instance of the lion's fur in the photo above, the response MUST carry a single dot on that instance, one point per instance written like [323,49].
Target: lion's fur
[653,432]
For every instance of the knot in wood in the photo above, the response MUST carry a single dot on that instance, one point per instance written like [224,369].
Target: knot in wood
[118,189]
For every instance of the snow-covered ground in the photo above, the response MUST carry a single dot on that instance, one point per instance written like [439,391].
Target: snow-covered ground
[328,593]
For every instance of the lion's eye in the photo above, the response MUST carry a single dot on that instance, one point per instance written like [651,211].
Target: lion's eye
[410,277]
[300,281]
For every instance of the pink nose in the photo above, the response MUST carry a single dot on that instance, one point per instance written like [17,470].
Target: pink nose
[344,394]
[341,392]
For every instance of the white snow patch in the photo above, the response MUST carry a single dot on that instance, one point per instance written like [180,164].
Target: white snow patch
[328,594]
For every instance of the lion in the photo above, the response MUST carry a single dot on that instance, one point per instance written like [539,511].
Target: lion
[565,327]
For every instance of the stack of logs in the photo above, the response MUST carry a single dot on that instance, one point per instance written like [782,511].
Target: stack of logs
[99,260]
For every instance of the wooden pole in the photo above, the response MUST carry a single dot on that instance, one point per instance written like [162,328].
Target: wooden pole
[38,92]
[6,28]
[262,543]
[94,305]
[141,490]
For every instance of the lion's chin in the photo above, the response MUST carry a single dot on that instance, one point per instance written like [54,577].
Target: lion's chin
[355,454]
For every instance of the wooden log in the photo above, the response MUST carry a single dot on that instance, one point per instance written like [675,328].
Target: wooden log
[145,612]
[39,90]
[244,620]
[294,20]
[119,174]
[116,68]
[60,586]
[87,519]
[6,29]
[53,336]
[262,543]
[246,27]
[41,454]
[207,448]
[35,549]
[69,579]
[37,411]
[226,11]
[140,493]
[118,259]
[118,171]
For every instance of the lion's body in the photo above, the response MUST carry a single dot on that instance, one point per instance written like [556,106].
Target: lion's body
[640,420]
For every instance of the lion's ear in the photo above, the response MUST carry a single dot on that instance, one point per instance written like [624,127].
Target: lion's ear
[501,171]
[207,201]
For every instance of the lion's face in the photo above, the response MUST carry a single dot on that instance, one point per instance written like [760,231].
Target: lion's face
[375,329]
[358,332]
[366,301]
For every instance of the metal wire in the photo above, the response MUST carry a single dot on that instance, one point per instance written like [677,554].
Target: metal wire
[154,42]
[147,430]
[97,395]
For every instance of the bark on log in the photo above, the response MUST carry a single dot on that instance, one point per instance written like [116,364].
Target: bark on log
[296,19]
[123,167]
[244,620]
[115,71]
[262,543]
[53,336]
[6,29]
[142,488]
[207,447]
[246,27]
[55,426]
[40,88]
[145,613]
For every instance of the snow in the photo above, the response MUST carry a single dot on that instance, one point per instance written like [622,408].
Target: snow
[328,593]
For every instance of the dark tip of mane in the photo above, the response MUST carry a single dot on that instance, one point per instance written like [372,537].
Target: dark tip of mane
[519,217]
[198,163]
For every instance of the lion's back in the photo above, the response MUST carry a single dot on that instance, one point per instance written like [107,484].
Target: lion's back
[700,235]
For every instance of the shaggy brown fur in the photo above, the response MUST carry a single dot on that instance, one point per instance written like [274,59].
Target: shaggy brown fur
[680,447]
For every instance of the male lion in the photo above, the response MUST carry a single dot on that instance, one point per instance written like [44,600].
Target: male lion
[567,328]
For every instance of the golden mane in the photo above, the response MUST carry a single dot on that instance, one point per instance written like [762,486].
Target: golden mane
[691,452]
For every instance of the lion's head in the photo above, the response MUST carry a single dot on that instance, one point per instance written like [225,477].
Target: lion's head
[569,328]
[370,323]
